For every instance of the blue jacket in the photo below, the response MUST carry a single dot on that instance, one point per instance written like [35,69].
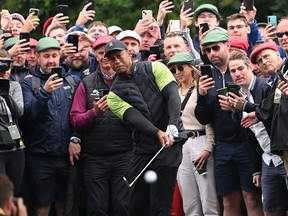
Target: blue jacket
[208,110]
[46,123]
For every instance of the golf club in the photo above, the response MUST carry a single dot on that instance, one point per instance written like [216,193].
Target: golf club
[130,184]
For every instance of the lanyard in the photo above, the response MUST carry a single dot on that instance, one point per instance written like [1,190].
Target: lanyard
[8,111]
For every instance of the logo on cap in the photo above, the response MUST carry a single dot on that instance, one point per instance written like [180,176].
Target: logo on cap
[110,44]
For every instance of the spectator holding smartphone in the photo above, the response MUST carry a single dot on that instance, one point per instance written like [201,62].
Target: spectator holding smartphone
[233,173]
[47,129]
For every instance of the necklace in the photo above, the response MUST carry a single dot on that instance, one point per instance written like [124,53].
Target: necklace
[185,92]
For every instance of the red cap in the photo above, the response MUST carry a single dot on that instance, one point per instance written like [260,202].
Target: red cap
[267,45]
[103,40]
[46,24]
[239,42]
[33,42]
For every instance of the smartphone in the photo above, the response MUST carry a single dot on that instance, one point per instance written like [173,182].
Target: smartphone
[4,86]
[26,36]
[36,12]
[63,9]
[201,171]
[234,88]
[189,4]
[272,20]
[280,75]
[175,25]
[205,27]
[147,14]
[249,4]
[102,92]
[91,7]
[74,40]
[206,70]
[155,49]
[58,71]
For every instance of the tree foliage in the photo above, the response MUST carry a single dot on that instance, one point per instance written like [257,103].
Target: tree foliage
[125,13]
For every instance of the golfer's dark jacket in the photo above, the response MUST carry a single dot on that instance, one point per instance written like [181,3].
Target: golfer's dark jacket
[140,91]
[107,135]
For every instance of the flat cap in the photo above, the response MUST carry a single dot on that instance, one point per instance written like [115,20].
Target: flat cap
[9,43]
[214,35]
[239,42]
[47,43]
[206,8]
[182,58]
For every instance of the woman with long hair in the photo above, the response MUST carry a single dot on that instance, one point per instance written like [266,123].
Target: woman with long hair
[196,173]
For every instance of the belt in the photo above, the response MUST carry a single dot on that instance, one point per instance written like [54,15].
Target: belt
[194,134]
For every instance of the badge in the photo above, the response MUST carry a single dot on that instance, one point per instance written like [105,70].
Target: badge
[14,132]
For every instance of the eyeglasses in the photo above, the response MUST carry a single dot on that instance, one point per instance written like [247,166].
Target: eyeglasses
[236,26]
[281,34]
[180,68]
[215,48]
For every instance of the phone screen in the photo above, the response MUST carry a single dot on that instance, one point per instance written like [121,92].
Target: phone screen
[155,49]
[74,40]
[58,71]
[249,4]
[189,4]
[234,88]
[63,9]
[206,70]
[26,36]
[205,27]
[91,7]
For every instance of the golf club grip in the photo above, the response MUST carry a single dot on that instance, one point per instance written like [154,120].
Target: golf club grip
[147,165]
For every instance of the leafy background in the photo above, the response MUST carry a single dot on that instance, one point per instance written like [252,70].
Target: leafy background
[125,13]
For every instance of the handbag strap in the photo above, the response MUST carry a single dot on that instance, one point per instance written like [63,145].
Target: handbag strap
[184,102]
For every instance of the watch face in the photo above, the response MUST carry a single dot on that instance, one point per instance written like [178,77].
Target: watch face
[75,141]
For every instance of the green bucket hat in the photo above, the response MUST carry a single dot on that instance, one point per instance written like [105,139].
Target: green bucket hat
[9,43]
[182,58]
[47,43]
[214,35]
[206,8]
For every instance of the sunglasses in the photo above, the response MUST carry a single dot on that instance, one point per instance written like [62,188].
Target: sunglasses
[180,68]
[281,34]
[215,48]
[173,33]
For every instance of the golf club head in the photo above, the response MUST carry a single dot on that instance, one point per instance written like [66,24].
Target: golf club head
[126,182]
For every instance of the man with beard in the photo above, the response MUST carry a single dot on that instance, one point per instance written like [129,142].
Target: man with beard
[82,62]
[47,129]
[233,170]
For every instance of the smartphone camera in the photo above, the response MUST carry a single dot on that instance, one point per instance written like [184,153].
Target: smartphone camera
[5,65]
[58,71]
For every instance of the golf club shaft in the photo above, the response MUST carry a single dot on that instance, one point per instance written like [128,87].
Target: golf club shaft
[130,185]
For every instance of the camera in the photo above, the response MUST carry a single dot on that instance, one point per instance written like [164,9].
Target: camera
[5,65]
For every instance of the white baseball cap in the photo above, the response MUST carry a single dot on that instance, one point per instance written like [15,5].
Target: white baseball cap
[113,29]
[129,33]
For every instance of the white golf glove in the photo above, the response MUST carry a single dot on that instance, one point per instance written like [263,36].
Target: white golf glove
[172,131]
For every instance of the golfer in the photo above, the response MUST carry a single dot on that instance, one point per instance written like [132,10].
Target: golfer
[145,96]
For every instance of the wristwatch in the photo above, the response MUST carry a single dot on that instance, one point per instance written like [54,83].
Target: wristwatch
[75,140]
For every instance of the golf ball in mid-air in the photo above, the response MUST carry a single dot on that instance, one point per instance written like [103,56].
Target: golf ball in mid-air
[150,176]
